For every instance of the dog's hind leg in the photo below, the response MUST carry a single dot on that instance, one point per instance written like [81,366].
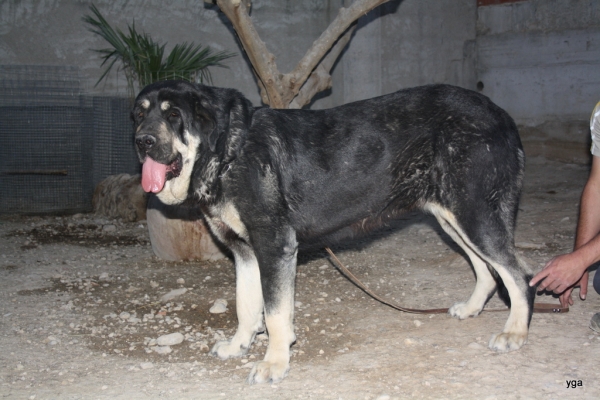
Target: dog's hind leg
[515,275]
[490,239]
[277,257]
[249,305]
[485,286]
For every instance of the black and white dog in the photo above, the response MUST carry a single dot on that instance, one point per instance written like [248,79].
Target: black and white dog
[266,179]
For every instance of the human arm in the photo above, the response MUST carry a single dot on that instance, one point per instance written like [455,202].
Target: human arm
[566,271]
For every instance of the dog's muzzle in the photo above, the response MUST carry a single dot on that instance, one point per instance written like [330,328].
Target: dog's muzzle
[159,163]
[145,143]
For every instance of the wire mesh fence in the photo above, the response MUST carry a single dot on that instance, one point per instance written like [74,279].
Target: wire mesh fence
[56,143]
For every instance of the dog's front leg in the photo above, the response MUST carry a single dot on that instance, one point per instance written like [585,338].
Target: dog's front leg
[277,260]
[249,306]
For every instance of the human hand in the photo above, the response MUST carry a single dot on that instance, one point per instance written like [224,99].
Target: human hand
[560,275]
[566,299]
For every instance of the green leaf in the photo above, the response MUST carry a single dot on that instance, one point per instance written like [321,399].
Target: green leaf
[143,60]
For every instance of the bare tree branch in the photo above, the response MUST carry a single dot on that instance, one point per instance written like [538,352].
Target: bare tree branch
[278,90]
[345,17]
[261,59]
[320,79]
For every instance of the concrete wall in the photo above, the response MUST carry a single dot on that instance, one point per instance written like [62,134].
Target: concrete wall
[50,32]
[409,43]
[403,43]
[540,60]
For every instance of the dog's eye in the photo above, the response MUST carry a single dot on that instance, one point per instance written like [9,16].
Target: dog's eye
[174,114]
[140,115]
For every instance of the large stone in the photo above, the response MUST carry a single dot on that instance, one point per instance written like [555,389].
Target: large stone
[120,196]
[179,233]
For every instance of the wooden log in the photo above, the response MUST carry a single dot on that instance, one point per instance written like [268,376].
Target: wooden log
[179,233]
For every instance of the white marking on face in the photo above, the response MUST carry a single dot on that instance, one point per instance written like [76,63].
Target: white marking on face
[145,104]
[176,189]
[165,105]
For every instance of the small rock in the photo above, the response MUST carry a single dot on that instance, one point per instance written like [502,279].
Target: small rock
[410,342]
[170,339]
[202,345]
[180,281]
[219,306]
[172,294]
[162,349]
[103,276]
[52,340]
[417,323]
[109,228]
[475,346]
[124,315]
[146,365]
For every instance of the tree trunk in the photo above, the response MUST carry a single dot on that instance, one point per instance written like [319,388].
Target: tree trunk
[179,233]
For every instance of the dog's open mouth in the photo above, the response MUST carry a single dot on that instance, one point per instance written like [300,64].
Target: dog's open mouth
[155,174]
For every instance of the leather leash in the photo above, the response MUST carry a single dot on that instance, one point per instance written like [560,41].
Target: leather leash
[537,308]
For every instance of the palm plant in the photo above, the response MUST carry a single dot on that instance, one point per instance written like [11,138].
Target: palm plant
[143,59]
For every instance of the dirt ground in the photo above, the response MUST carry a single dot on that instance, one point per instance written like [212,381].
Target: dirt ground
[80,313]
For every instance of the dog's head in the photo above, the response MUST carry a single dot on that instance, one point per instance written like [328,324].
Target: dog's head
[184,134]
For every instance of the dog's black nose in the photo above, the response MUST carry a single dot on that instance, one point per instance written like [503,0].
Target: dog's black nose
[145,142]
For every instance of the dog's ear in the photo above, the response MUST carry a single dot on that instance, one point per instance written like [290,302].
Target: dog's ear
[238,114]
[224,116]
[208,124]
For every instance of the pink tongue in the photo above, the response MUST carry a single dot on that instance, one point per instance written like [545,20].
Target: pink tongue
[153,175]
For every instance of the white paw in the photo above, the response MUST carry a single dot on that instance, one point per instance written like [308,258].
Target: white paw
[505,342]
[227,349]
[463,311]
[266,371]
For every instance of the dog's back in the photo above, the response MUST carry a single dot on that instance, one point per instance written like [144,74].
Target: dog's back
[426,144]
